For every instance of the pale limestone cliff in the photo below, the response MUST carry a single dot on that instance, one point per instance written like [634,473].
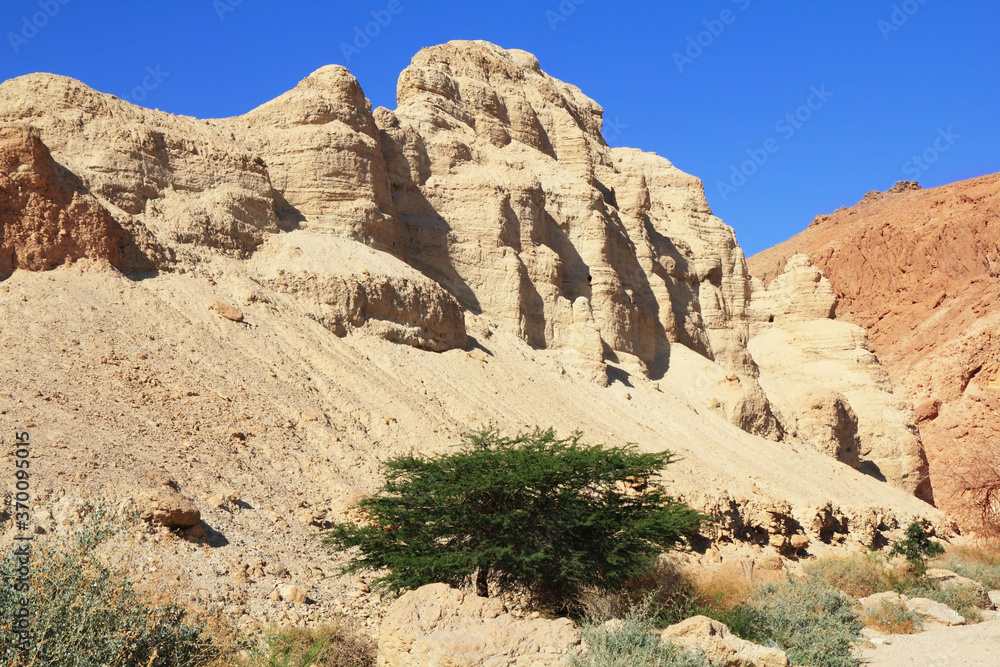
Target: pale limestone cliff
[830,391]
[485,220]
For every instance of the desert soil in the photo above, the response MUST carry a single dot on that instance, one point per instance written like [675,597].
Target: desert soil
[963,646]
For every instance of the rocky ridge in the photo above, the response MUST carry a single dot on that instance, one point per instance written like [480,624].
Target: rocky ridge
[919,271]
[263,308]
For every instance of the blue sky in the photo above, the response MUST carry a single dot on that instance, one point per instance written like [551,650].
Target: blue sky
[784,109]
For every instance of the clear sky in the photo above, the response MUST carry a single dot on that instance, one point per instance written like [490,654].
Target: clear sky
[868,84]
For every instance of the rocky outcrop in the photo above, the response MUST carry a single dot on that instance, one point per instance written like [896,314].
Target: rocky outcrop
[323,157]
[169,508]
[47,217]
[919,270]
[828,389]
[364,291]
[721,646]
[438,625]
[510,198]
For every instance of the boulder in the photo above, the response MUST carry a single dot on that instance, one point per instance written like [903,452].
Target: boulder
[934,614]
[994,597]
[169,508]
[292,593]
[722,647]
[873,602]
[799,541]
[439,625]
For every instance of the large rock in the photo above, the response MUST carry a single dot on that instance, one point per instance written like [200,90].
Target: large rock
[721,646]
[439,625]
[169,508]
[949,579]
[934,614]
[885,598]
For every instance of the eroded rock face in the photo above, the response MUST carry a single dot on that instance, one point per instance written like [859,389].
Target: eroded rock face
[919,270]
[170,180]
[439,625]
[364,291]
[322,151]
[828,389]
[46,216]
[509,197]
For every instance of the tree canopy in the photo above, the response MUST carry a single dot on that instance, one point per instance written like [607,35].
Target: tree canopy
[545,515]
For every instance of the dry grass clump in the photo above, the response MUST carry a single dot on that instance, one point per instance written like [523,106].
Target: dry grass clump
[979,562]
[332,645]
[892,618]
[731,584]
[857,575]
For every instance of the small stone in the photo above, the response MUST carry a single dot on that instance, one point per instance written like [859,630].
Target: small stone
[292,593]
[310,416]
[161,478]
[195,532]
[799,541]
[229,312]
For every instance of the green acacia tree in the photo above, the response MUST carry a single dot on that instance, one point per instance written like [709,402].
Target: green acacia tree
[536,513]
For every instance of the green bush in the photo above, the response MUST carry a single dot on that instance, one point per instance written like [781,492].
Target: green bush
[813,622]
[85,614]
[632,644]
[917,547]
[536,514]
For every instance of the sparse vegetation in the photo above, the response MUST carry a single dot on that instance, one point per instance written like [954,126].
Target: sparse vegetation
[814,623]
[84,613]
[858,575]
[892,618]
[533,514]
[631,643]
[326,646]
[980,563]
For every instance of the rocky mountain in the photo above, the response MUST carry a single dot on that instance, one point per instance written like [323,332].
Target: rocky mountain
[254,312]
[919,270]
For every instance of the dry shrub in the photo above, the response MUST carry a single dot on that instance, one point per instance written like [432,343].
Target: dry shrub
[976,480]
[730,584]
[892,618]
[857,575]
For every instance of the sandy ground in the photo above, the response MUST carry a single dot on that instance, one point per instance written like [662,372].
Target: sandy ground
[965,646]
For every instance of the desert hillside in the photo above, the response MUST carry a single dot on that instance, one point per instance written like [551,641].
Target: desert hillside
[252,313]
[920,271]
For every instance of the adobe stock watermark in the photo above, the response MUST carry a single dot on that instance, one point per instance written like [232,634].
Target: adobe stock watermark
[363,36]
[787,125]
[714,28]
[613,129]
[223,7]
[900,16]
[150,82]
[31,24]
[918,164]
[562,12]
